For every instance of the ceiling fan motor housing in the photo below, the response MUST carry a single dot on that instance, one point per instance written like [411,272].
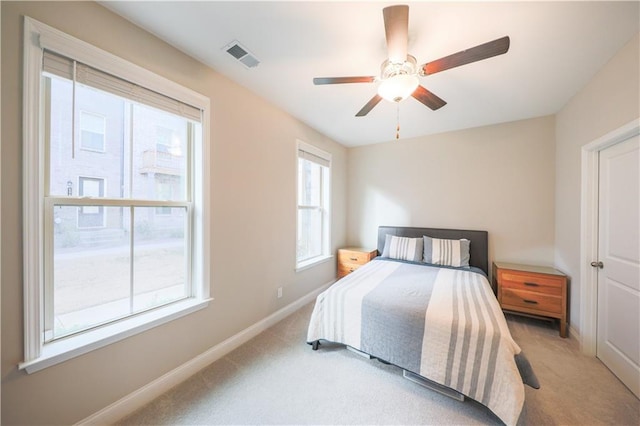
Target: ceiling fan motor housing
[389,69]
[399,80]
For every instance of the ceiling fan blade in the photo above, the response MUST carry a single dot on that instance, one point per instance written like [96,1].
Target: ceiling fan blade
[342,80]
[396,28]
[428,98]
[369,106]
[483,51]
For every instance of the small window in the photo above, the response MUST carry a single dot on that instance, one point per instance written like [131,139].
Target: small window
[92,131]
[91,216]
[313,205]
[164,139]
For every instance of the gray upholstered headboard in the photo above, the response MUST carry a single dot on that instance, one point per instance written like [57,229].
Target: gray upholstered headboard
[478,249]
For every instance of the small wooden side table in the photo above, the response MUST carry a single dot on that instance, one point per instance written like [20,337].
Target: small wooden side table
[536,291]
[351,258]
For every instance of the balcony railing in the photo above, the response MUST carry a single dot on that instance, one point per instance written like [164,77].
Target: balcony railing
[154,161]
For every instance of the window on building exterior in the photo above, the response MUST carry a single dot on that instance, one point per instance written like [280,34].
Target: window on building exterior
[166,186]
[164,139]
[128,239]
[92,131]
[313,205]
[91,216]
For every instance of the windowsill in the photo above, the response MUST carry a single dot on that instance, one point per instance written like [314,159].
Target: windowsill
[64,349]
[312,262]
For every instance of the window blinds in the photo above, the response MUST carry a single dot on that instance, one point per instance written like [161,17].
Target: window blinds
[314,158]
[62,66]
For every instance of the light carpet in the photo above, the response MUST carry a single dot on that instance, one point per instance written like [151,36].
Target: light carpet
[277,379]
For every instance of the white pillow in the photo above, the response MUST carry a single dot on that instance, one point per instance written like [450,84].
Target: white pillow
[403,248]
[446,252]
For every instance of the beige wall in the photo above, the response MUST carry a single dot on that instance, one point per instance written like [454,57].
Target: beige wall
[253,170]
[610,100]
[497,178]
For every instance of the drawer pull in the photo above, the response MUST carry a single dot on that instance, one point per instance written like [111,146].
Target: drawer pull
[531,284]
[532,302]
[353,258]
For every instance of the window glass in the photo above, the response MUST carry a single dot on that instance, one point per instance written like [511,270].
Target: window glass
[92,129]
[310,178]
[160,258]
[138,150]
[97,281]
[91,272]
[159,150]
[164,138]
[66,161]
[313,201]
[110,262]
[167,188]
[309,233]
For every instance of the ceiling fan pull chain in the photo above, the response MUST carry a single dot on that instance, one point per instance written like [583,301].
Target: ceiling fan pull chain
[398,120]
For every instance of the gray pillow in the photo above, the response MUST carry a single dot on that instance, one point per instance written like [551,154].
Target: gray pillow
[446,252]
[403,248]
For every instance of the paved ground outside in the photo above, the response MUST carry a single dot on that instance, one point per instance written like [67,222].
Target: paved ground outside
[93,285]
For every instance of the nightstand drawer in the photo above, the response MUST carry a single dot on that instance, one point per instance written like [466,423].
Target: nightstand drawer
[353,257]
[347,268]
[531,300]
[533,283]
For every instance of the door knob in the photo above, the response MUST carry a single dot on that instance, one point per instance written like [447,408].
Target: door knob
[597,264]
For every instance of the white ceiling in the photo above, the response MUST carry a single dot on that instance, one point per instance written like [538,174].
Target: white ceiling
[556,48]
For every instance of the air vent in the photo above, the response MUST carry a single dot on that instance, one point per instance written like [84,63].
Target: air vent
[242,54]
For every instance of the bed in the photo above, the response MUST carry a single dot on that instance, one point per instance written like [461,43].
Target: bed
[438,321]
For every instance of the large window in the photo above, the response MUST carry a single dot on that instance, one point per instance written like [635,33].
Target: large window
[313,205]
[100,262]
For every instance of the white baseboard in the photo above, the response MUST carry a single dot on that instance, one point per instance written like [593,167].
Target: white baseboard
[574,333]
[153,390]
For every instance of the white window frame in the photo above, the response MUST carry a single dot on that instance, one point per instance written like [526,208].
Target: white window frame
[104,131]
[325,206]
[37,354]
[155,211]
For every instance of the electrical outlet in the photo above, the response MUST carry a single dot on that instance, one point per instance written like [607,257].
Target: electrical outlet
[279,292]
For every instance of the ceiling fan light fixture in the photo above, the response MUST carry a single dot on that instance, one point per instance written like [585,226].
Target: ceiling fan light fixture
[399,80]
[398,87]
[399,73]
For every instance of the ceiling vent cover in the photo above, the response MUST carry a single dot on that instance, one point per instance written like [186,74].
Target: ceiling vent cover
[242,54]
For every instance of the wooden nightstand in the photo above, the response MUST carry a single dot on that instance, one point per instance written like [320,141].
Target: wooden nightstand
[537,291]
[351,258]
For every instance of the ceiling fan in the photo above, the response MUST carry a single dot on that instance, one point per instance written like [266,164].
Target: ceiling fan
[399,73]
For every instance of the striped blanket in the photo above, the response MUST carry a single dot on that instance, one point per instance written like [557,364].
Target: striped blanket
[440,323]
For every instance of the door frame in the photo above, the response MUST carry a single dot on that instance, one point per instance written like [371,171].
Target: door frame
[589,231]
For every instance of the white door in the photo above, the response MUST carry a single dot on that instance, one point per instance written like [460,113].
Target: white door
[618,342]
